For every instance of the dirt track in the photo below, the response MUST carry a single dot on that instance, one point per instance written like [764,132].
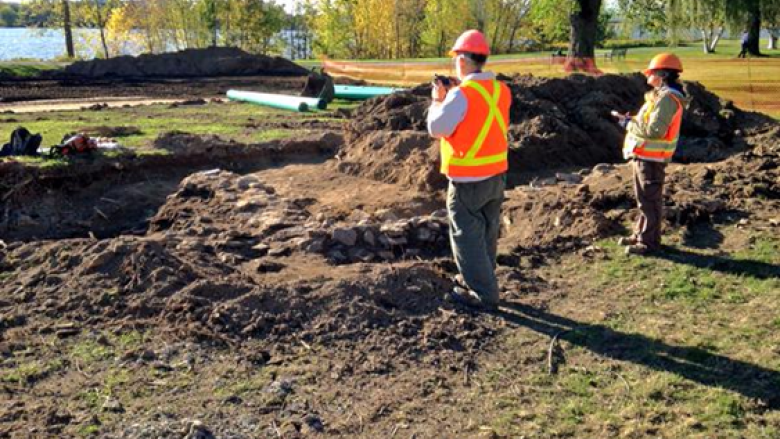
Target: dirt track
[190,88]
[294,287]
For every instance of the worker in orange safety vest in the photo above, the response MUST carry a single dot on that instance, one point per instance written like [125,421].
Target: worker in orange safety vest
[470,114]
[651,141]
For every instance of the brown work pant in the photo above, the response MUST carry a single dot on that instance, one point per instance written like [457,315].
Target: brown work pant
[649,188]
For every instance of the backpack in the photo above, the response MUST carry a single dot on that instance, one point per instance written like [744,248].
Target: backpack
[22,143]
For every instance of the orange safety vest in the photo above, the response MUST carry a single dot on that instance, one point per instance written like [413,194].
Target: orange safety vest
[655,150]
[478,146]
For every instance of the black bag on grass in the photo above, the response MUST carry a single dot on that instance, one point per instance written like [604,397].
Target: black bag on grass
[22,143]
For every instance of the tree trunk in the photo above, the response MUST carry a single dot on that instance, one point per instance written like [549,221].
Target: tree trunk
[68,30]
[582,38]
[716,40]
[102,25]
[584,28]
[773,34]
[754,27]
[705,39]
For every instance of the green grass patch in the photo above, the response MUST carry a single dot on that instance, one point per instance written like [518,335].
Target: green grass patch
[26,69]
[141,126]
[30,372]
[90,351]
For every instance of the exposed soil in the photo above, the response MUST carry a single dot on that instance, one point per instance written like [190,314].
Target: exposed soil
[555,123]
[190,63]
[184,89]
[324,257]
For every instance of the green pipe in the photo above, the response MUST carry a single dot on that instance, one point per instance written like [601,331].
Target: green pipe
[284,102]
[358,92]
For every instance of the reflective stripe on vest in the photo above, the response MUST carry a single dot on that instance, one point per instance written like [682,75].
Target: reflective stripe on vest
[471,164]
[655,150]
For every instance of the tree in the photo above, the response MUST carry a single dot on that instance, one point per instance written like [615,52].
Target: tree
[647,15]
[584,29]
[67,29]
[708,18]
[444,21]
[749,12]
[9,15]
[53,13]
[333,26]
[772,20]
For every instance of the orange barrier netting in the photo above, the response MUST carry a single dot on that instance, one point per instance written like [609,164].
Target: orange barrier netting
[752,83]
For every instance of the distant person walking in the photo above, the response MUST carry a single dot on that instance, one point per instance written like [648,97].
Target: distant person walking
[744,45]
[470,114]
[651,140]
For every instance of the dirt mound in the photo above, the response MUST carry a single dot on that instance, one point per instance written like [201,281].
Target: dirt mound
[226,258]
[554,123]
[406,157]
[190,63]
[745,187]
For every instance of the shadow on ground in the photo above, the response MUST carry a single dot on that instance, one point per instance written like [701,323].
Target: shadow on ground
[692,363]
[737,267]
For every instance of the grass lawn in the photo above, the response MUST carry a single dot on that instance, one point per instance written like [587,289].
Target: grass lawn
[27,68]
[753,83]
[683,345]
[143,124]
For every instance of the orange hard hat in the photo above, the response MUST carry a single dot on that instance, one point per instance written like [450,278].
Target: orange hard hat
[664,61]
[472,41]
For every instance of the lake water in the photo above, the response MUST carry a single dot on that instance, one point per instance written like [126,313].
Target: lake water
[44,44]
[49,44]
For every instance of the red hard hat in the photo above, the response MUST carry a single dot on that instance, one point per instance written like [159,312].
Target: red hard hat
[471,41]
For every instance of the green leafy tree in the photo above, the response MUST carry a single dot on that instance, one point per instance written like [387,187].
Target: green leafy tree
[9,15]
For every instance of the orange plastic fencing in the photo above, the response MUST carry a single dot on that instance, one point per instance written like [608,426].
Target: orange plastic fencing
[751,83]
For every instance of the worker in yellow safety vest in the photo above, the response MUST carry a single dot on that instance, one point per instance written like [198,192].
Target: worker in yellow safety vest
[470,114]
[651,140]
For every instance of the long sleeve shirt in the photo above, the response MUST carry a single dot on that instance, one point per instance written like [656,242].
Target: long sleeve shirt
[444,117]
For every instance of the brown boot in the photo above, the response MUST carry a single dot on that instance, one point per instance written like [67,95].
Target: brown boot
[638,249]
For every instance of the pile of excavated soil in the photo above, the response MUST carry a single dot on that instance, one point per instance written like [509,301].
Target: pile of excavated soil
[227,258]
[561,215]
[554,123]
[190,63]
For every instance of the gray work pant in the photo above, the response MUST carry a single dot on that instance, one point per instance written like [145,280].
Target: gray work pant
[649,188]
[475,220]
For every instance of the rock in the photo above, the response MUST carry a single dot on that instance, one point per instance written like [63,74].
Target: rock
[254,203]
[542,182]
[568,178]
[441,213]
[603,168]
[312,424]
[369,237]
[261,249]
[66,330]
[386,255]
[361,254]
[280,388]
[424,234]
[386,215]
[246,182]
[389,241]
[412,252]
[197,430]
[315,246]
[583,189]
[337,256]
[279,251]
[113,405]
[345,236]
